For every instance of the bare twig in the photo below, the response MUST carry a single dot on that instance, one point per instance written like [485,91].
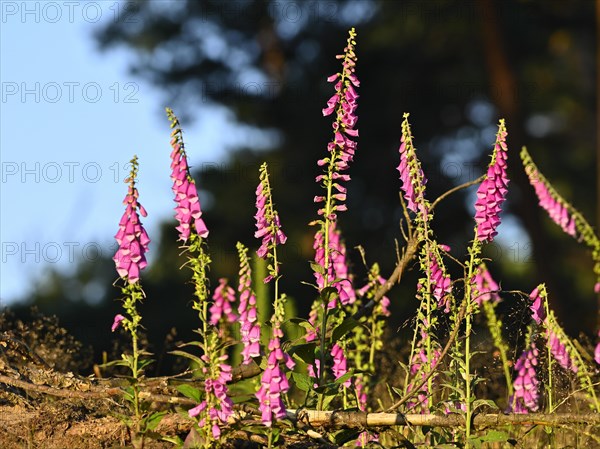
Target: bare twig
[456,189]
[409,253]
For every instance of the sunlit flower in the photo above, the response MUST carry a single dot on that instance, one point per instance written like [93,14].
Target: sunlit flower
[273,382]
[342,147]
[560,353]
[268,227]
[187,211]
[340,364]
[526,384]
[487,288]
[117,322]
[537,306]
[492,191]
[548,198]
[412,176]
[440,282]
[338,268]
[132,237]
[224,297]
[215,387]
[249,326]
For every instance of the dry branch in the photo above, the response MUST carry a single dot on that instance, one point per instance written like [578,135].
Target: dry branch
[362,420]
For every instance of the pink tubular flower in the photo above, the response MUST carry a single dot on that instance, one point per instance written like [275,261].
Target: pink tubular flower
[562,213]
[268,227]
[492,191]
[549,200]
[412,176]
[220,406]
[441,283]
[187,211]
[314,370]
[338,268]
[537,305]
[560,353]
[274,383]
[486,286]
[223,297]
[249,327]
[340,364]
[132,238]
[526,384]
[556,210]
[342,147]
[117,322]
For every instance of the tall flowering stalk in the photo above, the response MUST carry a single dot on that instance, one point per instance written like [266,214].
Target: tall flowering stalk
[341,150]
[217,407]
[371,341]
[268,226]
[411,174]
[491,194]
[328,250]
[187,211]
[131,237]
[559,347]
[492,191]
[274,383]
[214,410]
[249,326]
[562,212]
[129,260]
[434,289]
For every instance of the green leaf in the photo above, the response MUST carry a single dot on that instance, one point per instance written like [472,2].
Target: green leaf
[495,436]
[304,352]
[189,392]
[144,363]
[154,420]
[344,327]
[302,381]
[175,440]
[340,380]
[187,355]
[475,442]
[481,402]
[317,268]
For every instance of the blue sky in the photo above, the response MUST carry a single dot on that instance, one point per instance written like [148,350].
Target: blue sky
[70,120]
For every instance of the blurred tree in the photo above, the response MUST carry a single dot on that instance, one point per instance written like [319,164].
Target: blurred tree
[456,66]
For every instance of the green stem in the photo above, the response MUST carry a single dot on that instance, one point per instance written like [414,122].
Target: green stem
[322,356]
[468,315]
